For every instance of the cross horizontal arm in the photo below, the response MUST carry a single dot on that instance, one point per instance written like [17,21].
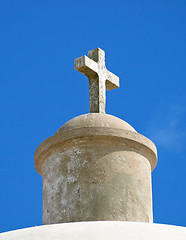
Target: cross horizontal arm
[86,66]
[112,81]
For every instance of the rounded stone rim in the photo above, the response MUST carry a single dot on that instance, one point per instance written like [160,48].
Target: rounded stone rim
[143,143]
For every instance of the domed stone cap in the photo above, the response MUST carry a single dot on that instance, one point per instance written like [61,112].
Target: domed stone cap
[97,125]
[96,120]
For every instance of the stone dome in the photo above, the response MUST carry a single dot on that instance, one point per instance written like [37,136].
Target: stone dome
[96,120]
[97,230]
[96,125]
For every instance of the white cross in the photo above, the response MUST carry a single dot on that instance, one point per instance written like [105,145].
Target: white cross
[99,77]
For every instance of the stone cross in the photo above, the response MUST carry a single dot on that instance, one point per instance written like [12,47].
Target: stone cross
[99,77]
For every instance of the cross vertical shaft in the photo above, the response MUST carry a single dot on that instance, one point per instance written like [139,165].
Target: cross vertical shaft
[96,95]
[99,77]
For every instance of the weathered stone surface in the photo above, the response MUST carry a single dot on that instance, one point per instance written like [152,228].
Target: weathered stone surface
[96,167]
[99,77]
[99,231]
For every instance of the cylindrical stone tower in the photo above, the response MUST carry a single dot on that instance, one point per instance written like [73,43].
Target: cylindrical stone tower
[96,167]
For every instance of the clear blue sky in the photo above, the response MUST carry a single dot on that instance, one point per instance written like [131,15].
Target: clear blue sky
[145,46]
